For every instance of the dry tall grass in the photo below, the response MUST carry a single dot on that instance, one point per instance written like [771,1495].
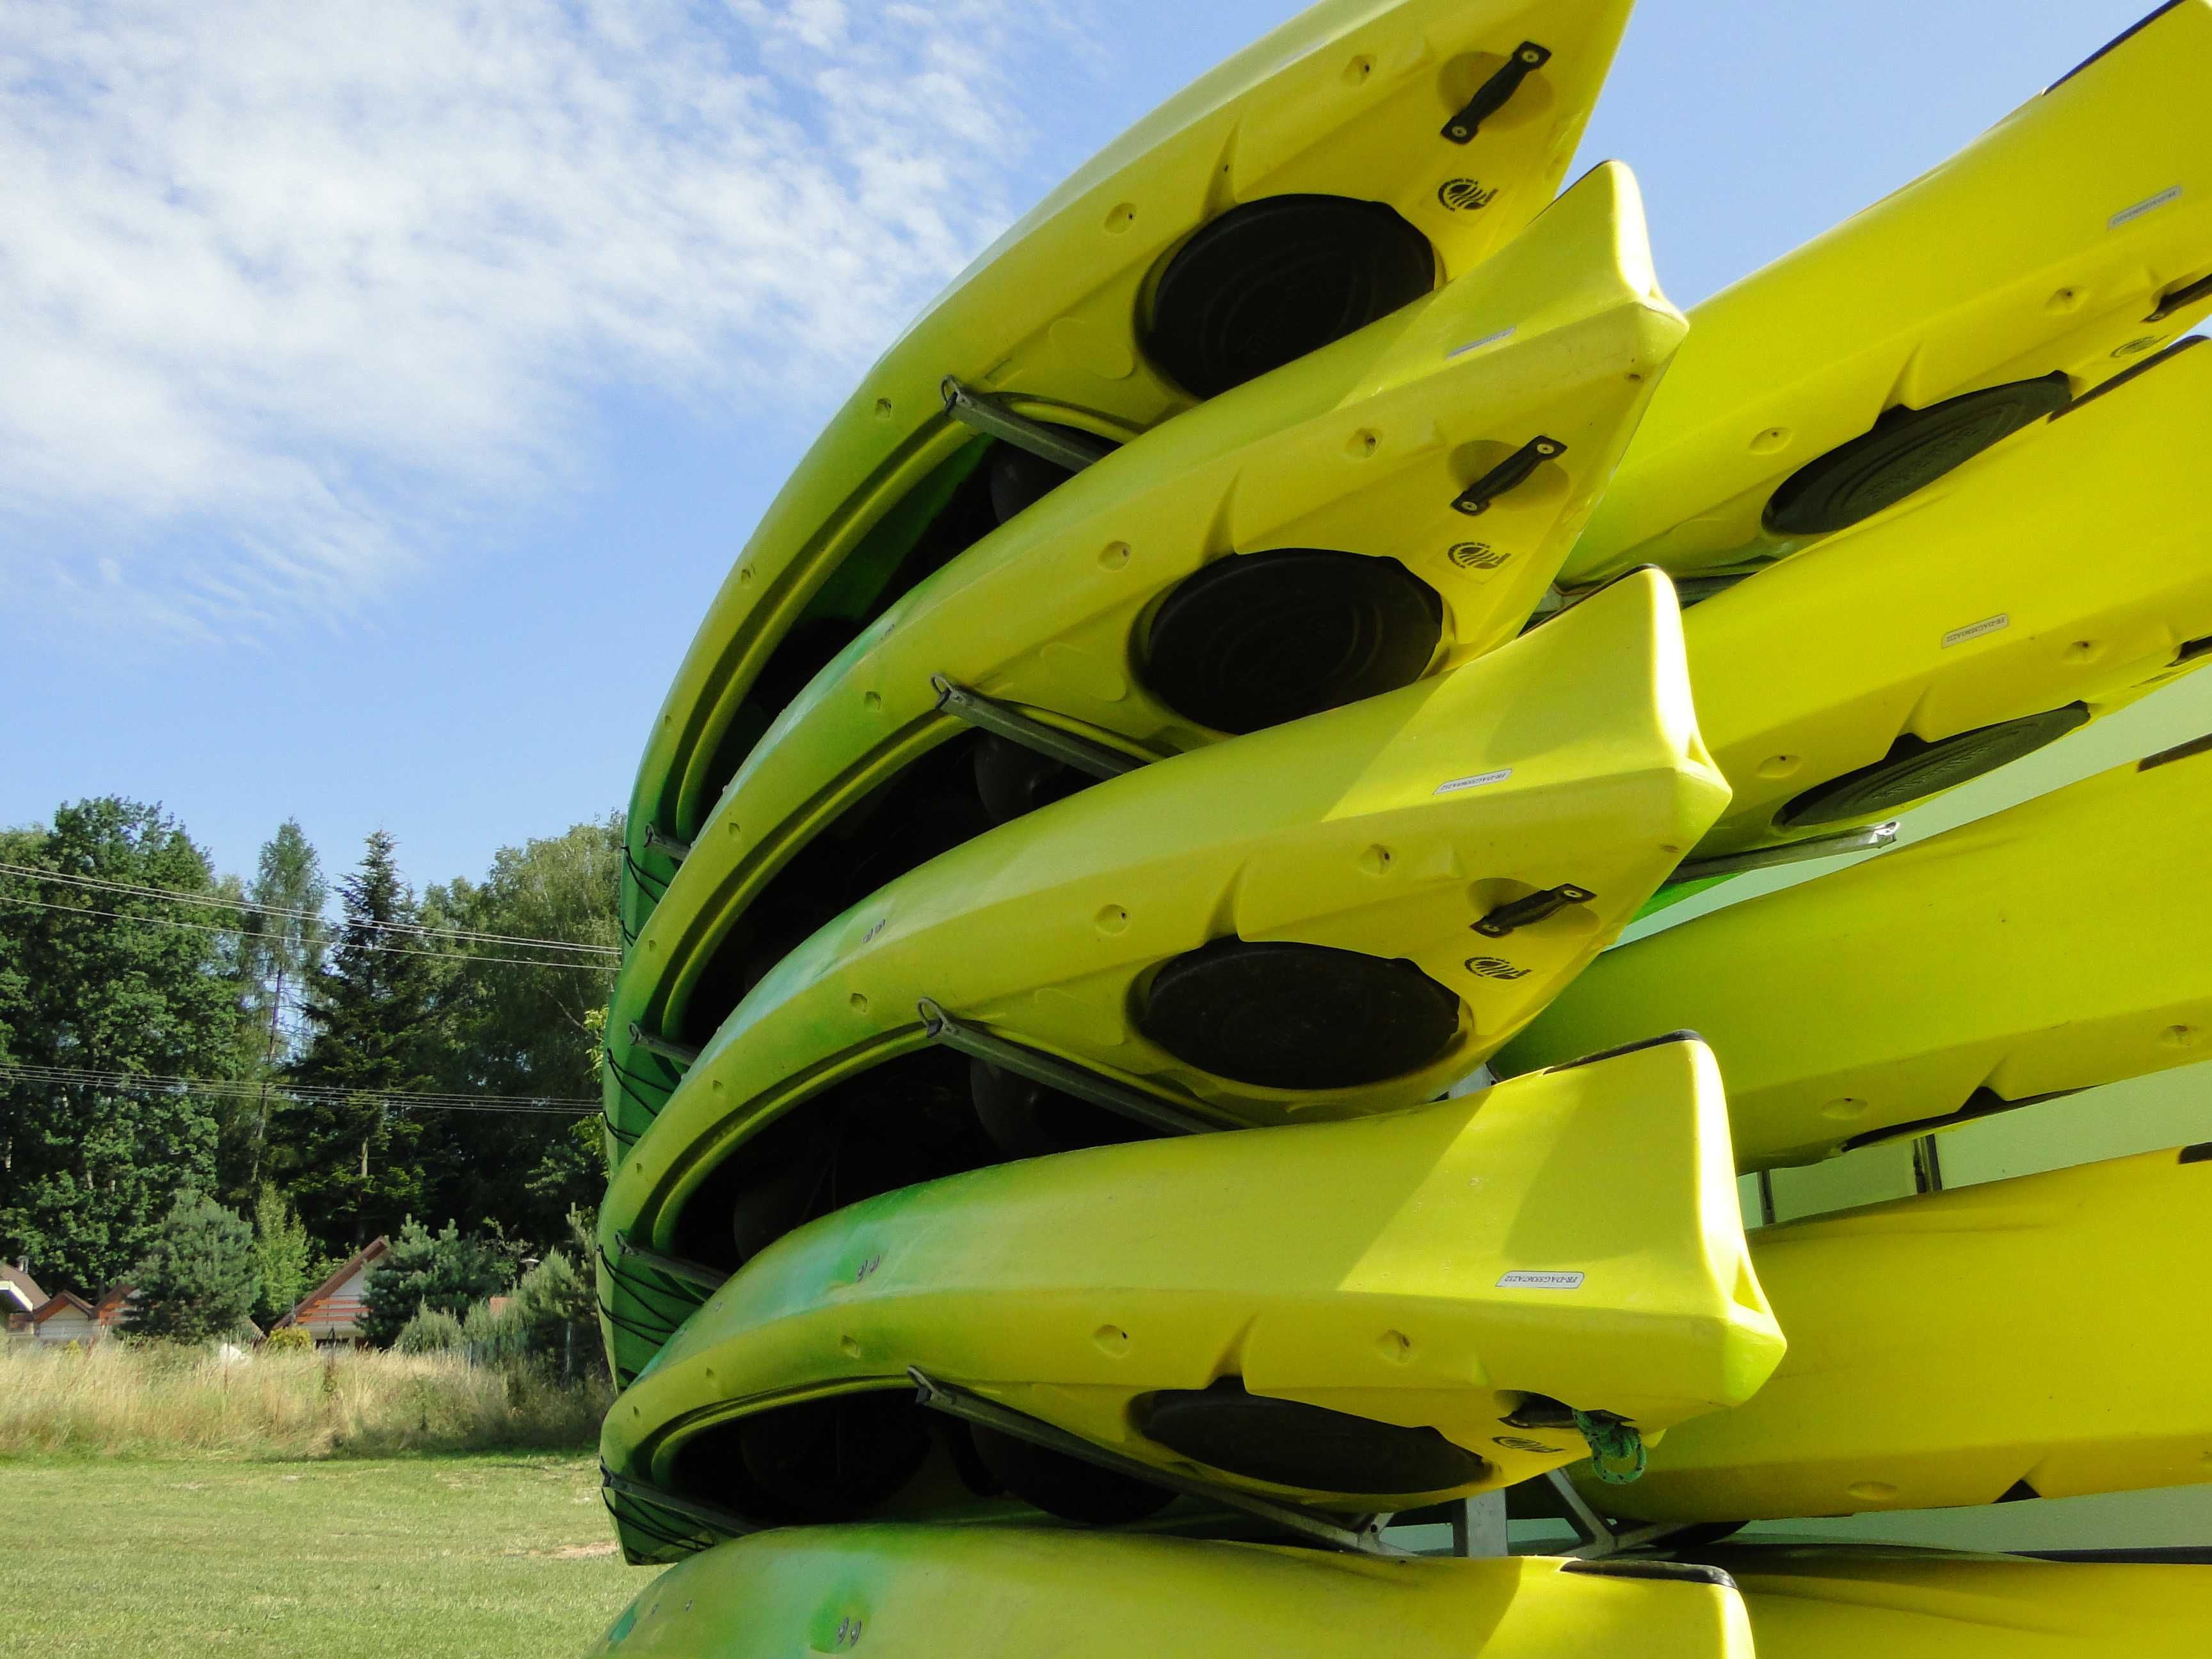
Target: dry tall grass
[152,1400]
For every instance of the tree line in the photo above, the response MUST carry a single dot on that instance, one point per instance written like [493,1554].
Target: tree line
[321,1061]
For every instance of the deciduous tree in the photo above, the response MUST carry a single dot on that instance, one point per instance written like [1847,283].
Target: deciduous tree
[102,986]
[527,1031]
[282,1253]
[280,948]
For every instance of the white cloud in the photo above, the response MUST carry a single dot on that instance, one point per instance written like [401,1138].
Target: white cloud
[286,291]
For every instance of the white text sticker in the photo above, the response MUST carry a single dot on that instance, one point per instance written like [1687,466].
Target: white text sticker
[1477,345]
[1475,782]
[1540,1281]
[2127,215]
[1995,625]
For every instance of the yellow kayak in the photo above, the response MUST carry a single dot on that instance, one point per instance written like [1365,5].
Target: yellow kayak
[980,1593]
[1967,628]
[1341,916]
[1939,982]
[2018,1339]
[1293,544]
[1367,1315]
[1337,169]
[2069,242]
[1836,1603]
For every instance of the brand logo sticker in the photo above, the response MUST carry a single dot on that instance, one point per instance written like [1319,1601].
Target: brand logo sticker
[1465,195]
[1477,556]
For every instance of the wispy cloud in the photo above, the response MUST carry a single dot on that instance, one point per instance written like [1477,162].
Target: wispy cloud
[287,290]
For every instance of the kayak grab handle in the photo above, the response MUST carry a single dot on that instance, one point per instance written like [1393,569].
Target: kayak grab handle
[1497,92]
[1509,474]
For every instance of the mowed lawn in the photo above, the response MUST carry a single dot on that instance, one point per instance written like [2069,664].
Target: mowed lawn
[475,1557]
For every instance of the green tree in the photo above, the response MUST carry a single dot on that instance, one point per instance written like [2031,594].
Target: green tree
[280,950]
[282,1253]
[447,1271]
[102,988]
[197,1280]
[347,1155]
[557,1312]
[526,1031]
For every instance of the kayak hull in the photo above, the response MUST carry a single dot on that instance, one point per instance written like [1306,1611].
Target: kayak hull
[2043,249]
[2015,1340]
[1346,100]
[1935,983]
[1417,1274]
[971,1591]
[1360,448]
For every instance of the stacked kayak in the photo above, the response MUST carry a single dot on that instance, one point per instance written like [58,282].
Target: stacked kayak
[998,1590]
[1815,1603]
[1126,1113]
[2034,953]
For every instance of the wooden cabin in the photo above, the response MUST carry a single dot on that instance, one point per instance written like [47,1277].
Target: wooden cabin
[65,1316]
[331,1313]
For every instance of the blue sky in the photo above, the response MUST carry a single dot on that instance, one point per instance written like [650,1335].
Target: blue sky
[385,399]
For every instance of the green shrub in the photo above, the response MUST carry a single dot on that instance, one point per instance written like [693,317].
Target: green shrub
[492,1339]
[558,1311]
[290,1339]
[433,1330]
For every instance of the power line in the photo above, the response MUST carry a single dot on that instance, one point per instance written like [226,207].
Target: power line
[395,950]
[84,1074]
[248,1088]
[177,896]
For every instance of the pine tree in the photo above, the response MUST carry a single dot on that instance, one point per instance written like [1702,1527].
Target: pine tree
[443,1271]
[349,1160]
[197,1280]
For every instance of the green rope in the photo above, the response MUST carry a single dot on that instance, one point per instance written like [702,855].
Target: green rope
[1617,1451]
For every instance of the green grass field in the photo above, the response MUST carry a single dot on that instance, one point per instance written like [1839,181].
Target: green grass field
[473,1557]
